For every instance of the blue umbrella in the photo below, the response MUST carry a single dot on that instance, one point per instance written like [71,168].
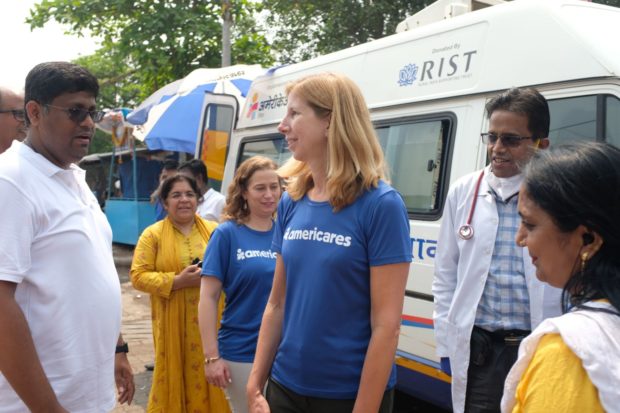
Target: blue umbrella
[169,119]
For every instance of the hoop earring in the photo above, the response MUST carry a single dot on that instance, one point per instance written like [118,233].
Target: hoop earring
[584,259]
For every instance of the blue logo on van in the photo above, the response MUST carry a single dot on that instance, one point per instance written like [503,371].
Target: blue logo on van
[408,74]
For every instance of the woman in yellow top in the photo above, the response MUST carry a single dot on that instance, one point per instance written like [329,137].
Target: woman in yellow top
[569,205]
[162,266]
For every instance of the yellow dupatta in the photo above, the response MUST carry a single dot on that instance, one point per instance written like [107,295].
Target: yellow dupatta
[168,260]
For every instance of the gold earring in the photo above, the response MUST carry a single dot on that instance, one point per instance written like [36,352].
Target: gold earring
[522,243]
[584,259]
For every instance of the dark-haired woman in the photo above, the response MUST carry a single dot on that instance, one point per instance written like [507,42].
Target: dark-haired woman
[570,205]
[162,266]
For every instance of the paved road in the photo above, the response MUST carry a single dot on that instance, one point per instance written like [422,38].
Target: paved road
[136,328]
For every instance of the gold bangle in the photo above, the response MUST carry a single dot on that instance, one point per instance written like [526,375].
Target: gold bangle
[210,360]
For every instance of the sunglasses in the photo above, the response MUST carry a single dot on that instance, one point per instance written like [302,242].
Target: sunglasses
[18,114]
[508,140]
[78,115]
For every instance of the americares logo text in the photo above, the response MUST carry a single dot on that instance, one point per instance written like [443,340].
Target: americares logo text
[244,255]
[316,235]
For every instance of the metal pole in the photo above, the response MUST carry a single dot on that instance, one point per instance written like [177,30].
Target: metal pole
[134,167]
[226,25]
[111,174]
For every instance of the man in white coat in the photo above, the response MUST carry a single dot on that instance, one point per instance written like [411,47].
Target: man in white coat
[487,296]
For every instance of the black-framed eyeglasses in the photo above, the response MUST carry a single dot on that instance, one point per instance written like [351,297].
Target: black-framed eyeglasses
[18,114]
[508,140]
[78,115]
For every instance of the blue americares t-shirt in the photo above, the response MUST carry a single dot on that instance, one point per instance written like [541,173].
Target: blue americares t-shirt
[327,257]
[241,258]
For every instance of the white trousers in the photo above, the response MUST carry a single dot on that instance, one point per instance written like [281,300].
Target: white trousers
[235,391]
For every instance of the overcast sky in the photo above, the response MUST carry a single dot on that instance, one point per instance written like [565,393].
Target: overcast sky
[22,49]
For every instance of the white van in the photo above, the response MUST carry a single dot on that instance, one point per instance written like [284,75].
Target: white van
[426,90]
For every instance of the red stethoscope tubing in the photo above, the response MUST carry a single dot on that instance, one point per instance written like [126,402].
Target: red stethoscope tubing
[467,231]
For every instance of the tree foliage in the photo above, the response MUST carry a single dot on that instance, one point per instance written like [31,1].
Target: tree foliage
[146,44]
[305,29]
[120,85]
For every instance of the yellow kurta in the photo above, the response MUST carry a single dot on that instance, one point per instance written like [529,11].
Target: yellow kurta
[179,383]
[555,381]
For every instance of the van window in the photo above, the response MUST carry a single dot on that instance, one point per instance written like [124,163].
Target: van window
[612,118]
[415,153]
[585,118]
[572,119]
[218,124]
[273,147]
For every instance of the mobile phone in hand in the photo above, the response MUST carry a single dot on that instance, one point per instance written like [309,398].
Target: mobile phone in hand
[198,262]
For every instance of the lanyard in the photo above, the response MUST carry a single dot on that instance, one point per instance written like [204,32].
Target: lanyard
[467,231]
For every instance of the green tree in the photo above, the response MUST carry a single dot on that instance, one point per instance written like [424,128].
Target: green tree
[101,143]
[305,29]
[147,44]
[119,84]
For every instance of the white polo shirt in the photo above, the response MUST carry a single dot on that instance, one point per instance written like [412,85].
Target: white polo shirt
[211,206]
[56,244]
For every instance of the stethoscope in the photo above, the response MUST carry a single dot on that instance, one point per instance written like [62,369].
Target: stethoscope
[466,231]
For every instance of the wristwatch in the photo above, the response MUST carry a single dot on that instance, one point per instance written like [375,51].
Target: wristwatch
[123,348]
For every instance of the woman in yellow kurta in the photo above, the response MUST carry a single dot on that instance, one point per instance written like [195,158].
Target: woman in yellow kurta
[569,204]
[162,266]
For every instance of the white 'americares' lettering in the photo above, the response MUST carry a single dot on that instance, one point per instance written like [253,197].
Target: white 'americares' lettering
[316,235]
[243,255]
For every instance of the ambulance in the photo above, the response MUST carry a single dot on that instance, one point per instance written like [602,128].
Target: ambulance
[426,88]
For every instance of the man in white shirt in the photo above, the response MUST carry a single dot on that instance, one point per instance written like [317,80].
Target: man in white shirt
[60,303]
[487,296]
[210,208]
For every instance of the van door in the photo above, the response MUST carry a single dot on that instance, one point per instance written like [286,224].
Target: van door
[219,118]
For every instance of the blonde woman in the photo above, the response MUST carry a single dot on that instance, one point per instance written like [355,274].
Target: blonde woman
[330,328]
[240,262]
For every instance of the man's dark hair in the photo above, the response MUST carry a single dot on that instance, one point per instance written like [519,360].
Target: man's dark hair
[528,102]
[198,169]
[170,164]
[47,81]
[579,184]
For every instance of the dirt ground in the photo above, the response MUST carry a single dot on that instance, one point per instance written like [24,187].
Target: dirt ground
[136,329]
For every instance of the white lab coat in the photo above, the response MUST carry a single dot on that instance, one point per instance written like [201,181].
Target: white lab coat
[461,268]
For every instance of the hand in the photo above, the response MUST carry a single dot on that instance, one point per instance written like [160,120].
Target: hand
[123,375]
[257,403]
[190,276]
[218,373]
[445,366]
